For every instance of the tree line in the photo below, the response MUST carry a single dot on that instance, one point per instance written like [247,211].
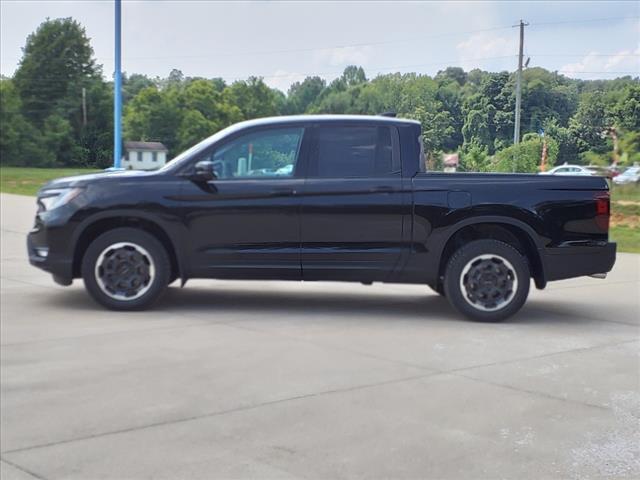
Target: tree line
[46,122]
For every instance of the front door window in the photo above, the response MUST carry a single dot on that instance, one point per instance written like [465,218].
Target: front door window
[266,154]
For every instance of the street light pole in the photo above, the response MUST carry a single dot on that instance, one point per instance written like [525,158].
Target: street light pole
[117,91]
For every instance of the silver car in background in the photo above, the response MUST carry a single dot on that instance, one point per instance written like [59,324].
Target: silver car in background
[630,175]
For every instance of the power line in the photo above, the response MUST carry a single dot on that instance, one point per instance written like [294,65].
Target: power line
[584,54]
[637,72]
[389,42]
[362,44]
[311,49]
[589,20]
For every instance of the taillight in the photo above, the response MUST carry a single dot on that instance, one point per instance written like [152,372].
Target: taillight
[603,211]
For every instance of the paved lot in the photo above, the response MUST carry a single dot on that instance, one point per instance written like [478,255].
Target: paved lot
[321,380]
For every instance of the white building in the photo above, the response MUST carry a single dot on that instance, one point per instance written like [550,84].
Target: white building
[144,155]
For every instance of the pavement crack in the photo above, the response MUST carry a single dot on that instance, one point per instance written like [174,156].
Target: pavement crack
[333,347]
[22,469]
[107,334]
[6,230]
[536,357]
[532,392]
[454,372]
[31,284]
[221,412]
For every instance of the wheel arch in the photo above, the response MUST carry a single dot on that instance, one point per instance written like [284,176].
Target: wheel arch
[509,230]
[96,225]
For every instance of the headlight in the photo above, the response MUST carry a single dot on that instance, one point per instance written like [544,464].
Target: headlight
[56,197]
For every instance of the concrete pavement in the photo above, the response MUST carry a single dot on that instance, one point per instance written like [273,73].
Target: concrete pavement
[318,380]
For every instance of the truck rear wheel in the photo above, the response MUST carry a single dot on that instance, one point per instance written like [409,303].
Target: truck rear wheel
[126,269]
[487,280]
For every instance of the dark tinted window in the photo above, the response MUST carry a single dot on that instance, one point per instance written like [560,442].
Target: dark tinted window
[352,152]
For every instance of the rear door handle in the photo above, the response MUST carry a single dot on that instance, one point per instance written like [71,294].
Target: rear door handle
[382,188]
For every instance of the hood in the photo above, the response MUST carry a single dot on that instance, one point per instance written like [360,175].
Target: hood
[83,180]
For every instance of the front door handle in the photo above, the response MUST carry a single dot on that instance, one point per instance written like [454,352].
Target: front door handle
[283,191]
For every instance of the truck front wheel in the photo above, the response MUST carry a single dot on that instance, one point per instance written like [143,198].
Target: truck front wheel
[126,269]
[487,280]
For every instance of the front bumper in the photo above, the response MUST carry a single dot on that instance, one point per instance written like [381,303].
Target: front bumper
[58,260]
[577,261]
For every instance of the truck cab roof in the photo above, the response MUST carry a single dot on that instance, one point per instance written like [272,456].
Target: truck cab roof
[386,120]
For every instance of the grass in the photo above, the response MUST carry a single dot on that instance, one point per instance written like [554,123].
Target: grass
[27,181]
[625,207]
[625,192]
[628,238]
[625,217]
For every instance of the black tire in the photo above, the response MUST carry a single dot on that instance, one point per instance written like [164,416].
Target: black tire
[501,285]
[148,272]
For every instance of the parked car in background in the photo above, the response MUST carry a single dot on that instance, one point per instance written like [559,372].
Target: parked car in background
[567,169]
[322,197]
[630,175]
[607,172]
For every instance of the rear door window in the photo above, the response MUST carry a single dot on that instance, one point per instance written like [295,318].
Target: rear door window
[353,151]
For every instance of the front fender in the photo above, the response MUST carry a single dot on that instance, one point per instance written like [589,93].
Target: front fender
[175,231]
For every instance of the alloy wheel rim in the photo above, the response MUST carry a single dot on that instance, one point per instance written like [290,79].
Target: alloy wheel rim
[488,282]
[124,271]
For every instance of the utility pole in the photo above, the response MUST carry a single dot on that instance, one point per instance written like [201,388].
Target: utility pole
[117,91]
[84,107]
[516,129]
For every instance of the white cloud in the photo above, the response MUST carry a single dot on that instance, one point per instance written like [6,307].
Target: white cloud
[343,56]
[480,46]
[594,64]
[282,79]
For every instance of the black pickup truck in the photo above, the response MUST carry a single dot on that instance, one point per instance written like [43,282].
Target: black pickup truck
[342,198]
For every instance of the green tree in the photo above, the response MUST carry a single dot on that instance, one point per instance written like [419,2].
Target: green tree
[476,128]
[204,112]
[20,142]
[57,137]
[132,85]
[436,129]
[253,97]
[526,156]
[56,64]
[353,75]
[302,94]
[154,115]
[626,112]
[630,147]
[475,158]
[193,128]
[452,74]
[590,123]
[567,149]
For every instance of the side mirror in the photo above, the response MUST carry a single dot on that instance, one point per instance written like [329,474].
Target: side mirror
[204,171]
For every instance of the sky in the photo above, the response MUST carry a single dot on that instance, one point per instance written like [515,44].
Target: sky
[286,41]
